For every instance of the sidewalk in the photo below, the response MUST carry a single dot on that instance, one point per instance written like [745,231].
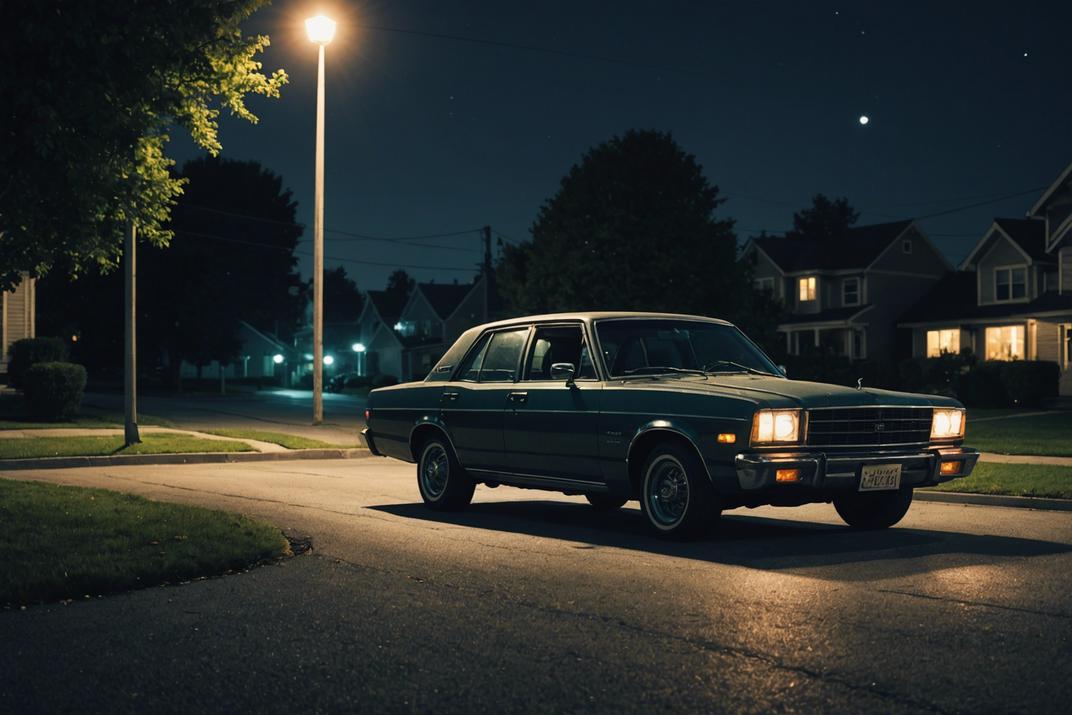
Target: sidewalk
[1024,459]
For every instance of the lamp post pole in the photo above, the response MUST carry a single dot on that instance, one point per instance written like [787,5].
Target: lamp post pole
[130,375]
[320,30]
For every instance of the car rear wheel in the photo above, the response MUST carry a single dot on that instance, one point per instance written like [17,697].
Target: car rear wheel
[676,497]
[874,510]
[605,502]
[442,481]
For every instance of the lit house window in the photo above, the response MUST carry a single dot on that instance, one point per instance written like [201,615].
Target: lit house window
[944,341]
[807,289]
[1010,283]
[850,291]
[1005,343]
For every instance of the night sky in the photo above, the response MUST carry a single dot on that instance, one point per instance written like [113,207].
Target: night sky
[967,102]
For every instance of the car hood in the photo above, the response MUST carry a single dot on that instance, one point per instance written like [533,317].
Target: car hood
[781,392]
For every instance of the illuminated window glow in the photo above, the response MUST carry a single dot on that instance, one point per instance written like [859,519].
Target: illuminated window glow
[943,341]
[807,288]
[1005,343]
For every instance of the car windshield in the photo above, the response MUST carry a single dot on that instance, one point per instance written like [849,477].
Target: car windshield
[647,347]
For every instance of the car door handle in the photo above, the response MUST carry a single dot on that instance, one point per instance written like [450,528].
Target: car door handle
[451,396]
[518,397]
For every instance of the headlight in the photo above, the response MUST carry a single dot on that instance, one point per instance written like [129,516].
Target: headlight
[947,423]
[776,426]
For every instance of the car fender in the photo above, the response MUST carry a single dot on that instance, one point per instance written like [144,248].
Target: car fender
[671,426]
[430,420]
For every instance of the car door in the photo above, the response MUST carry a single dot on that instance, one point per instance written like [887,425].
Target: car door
[550,428]
[471,406]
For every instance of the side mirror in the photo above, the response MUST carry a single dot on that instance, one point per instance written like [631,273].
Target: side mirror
[563,371]
[784,370]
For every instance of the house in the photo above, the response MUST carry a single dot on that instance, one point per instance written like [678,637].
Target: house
[845,295]
[408,343]
[1012,298]
[262,356]
[18,310]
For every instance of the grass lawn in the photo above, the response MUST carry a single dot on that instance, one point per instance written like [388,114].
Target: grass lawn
[1027,480]
[29,447]
[290,441]
[1046,434]
[12,417]
[68,542]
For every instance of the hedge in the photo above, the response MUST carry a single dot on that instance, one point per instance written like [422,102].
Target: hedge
[1020,383]
[28,352]
[53,390]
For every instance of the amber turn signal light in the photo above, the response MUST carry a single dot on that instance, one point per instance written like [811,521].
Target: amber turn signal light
[949,467]
[787,475]
[727,438]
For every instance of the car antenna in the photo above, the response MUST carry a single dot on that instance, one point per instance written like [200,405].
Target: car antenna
[859,383]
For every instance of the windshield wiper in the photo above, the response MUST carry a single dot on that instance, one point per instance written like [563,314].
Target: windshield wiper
[655,369]
[710,368]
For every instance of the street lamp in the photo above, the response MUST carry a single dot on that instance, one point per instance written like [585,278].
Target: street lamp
[359,348]
[321,30]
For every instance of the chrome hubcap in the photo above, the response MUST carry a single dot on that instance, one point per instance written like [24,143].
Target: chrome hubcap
[667,491]
[435,469]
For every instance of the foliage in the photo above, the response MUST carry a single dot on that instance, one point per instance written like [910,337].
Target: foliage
[935,375]
[28,352]
[839,370]
[67,542]
[54,390]
[400,284]
[90,91]
[108,445]
[632,226]
[825,220]
[1021,383]
[342,299]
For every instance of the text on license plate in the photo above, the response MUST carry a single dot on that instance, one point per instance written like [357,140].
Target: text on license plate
[880,476]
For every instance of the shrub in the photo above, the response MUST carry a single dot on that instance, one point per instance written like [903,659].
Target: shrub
[384,381]
[53,390]
[1030,383]
[982,386]
[28,352]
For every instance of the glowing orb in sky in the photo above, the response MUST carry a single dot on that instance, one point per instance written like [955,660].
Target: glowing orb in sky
[864,119]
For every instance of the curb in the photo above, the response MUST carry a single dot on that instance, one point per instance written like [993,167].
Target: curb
[188,458]
[995,500]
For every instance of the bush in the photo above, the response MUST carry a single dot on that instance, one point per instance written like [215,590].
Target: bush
[839,370]
[383,381]
[982,386]
[28,352]
[1030,383]
[53,390]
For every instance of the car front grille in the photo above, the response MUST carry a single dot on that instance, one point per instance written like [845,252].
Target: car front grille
[868,426]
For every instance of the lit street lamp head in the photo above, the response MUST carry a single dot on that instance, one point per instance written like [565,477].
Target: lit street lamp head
[320,29]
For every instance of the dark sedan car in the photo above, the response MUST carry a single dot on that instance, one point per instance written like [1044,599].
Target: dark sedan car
[681,412]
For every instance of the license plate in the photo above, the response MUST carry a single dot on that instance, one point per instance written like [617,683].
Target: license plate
[874,477]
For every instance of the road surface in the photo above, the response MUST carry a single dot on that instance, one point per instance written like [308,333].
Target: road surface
[530,602]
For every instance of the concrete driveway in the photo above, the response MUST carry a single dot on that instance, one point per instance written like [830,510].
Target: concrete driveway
[530,602]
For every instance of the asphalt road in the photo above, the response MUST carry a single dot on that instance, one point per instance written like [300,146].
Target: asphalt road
[289,411]
[530,602]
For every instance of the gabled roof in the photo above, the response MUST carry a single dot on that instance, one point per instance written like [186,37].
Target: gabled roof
[954,299]
[445,297]
[388,305]
[1028,235]
[859,248]
[1065,176]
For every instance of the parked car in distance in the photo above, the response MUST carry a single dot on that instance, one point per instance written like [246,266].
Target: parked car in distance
[683,413]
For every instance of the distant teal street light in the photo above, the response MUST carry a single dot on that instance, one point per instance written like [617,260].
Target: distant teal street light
[359,348]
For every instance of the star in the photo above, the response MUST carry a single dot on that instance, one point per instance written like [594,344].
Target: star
[864,119]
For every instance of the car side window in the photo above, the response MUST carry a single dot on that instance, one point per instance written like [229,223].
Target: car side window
[503,355]
[559,344]
[470,369]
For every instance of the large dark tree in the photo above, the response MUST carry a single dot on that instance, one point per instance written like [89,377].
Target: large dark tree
[400,285]
[825,219]
[342,298]
[632,226]
[88,94]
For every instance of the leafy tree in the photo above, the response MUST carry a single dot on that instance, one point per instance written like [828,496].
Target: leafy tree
[632,226]
[825,219]
[342,299]
[89,91]
[400,284]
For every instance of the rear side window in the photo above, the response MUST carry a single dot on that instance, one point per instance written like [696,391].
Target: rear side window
[470,369]
[503,355]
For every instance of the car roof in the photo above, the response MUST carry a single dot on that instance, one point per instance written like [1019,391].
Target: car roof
[589,316]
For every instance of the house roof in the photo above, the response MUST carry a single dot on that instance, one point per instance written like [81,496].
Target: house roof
[833,315]
[1029,235]
[445,297]
[1064,176]
[955,299]
[388,305]
[860,246]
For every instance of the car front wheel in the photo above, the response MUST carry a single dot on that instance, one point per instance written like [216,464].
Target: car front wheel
[442,481]
[676,496]
[874,510]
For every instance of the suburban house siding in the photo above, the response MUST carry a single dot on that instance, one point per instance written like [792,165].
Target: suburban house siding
[1002,254]
[18,316]
[1065,260]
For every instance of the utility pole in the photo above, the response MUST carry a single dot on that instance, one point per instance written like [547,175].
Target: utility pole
[130,347]
[489,287]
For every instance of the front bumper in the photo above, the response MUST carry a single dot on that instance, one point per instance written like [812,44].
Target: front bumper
[841,470]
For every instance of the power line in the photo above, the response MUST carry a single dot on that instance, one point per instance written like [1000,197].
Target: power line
[997,200]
